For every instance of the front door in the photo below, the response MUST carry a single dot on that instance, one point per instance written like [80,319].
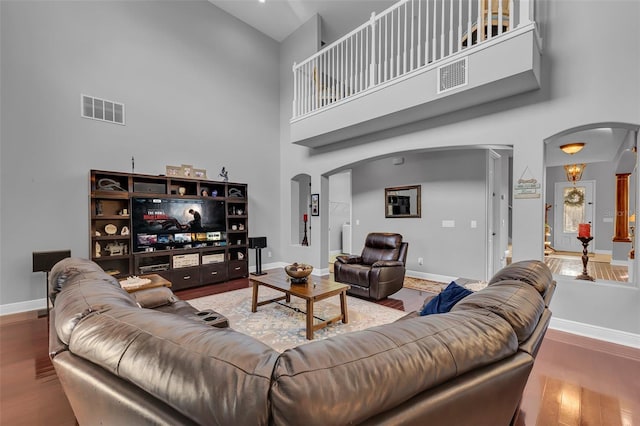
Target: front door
[574,204]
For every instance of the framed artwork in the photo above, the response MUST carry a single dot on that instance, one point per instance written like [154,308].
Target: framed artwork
[174,171]
[187,170]
[200,173]
[315,204]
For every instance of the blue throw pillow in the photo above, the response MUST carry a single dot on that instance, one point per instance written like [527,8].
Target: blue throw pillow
[445,300]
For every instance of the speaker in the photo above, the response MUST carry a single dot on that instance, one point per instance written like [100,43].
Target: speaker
[257,242]
[43,261]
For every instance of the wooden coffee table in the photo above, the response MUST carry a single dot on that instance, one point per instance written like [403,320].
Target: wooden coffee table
[314,290]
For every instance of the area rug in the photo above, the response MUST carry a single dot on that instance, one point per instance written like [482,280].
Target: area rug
[282,327]
[437,287]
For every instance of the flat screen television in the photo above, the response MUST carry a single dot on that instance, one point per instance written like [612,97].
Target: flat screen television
[168,223]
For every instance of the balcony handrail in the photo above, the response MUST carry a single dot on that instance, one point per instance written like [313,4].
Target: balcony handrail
[409,35]
[349,34]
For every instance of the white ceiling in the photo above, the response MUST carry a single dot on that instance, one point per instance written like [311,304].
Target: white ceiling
[279,18]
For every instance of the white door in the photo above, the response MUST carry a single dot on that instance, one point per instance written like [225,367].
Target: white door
[574,204]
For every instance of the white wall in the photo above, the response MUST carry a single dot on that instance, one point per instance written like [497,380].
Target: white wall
[199,88]
[587,77]
[448,193]
[339,209]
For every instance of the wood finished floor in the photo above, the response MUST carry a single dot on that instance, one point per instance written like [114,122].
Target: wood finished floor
[575,381]
[572,267]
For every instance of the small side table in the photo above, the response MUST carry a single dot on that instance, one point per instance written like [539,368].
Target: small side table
[585,259]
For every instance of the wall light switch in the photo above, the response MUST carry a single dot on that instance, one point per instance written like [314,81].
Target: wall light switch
[474,224]
[448,223]
[357,221]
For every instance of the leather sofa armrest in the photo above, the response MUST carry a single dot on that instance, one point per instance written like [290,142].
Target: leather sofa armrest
[352,258]
[154,297]
[387,263]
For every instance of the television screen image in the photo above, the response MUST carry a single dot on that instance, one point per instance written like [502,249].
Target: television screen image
[165,238]
[182,238]
[171,221]
[147,239]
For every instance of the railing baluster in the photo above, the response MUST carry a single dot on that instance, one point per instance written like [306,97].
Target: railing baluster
[459,47]
[500,16]
[419,46]
[399,53]
[450,27]
[490,20]
[434,54]
[404,50]
[390,45]
[469,18]
[442,54]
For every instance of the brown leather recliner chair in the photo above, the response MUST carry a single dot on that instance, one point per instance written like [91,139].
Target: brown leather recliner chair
[379,271]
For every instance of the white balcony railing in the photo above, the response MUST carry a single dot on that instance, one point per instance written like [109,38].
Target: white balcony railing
[410,35]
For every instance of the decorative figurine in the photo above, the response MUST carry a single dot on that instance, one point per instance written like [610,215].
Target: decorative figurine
[98,249]
[98,208]
[224,174]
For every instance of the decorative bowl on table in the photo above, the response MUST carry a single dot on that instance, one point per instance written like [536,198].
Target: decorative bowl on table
[299,272]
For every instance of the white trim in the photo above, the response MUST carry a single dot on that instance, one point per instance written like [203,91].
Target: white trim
[335,252]
[431,277]
[596,332]
[609,252]
[29,305]
[620,263]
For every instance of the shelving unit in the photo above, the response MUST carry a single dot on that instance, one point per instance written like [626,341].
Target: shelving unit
[205,260]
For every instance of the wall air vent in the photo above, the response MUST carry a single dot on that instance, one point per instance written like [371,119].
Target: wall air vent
[101,109]
[453,75]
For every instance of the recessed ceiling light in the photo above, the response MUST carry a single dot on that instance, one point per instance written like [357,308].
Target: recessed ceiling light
[262,1]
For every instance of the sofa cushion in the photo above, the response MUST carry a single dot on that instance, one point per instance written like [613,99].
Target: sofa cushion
[81,297]
[444,301]
[368,372]
[381,246]
[532,272]
[357,274]
[211,375]
[516,302]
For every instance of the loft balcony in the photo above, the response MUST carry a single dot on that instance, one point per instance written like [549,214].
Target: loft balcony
[416,60]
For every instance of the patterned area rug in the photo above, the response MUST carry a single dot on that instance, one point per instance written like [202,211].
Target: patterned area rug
[282,327]
[437,287]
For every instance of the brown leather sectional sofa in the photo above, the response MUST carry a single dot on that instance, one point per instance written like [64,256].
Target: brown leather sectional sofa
[122,364]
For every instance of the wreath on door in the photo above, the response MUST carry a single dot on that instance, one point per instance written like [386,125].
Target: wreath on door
[574,198]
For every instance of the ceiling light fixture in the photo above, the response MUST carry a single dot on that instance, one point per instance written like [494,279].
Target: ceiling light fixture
[572,148]
[574,172]
[262,1]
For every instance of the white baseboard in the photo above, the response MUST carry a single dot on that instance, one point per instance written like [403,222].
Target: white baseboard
[29,305]
[610,252]
[431,277]
[596,332]
[620,263]
[334,252]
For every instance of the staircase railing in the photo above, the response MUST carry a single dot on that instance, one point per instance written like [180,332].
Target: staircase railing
[410,35]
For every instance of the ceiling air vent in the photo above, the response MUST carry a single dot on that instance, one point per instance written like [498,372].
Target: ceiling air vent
[101,109]
[452,75]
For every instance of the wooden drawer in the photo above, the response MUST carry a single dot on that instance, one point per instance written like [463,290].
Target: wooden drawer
[213,273]
[238,269]
[185,278]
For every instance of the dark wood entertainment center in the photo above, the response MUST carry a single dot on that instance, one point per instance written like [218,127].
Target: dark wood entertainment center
[195,258]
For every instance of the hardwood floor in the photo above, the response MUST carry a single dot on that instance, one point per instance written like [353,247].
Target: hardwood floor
[572,266]
[575,381]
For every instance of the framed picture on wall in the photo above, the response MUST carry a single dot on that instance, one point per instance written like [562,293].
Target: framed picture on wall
[315,204]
